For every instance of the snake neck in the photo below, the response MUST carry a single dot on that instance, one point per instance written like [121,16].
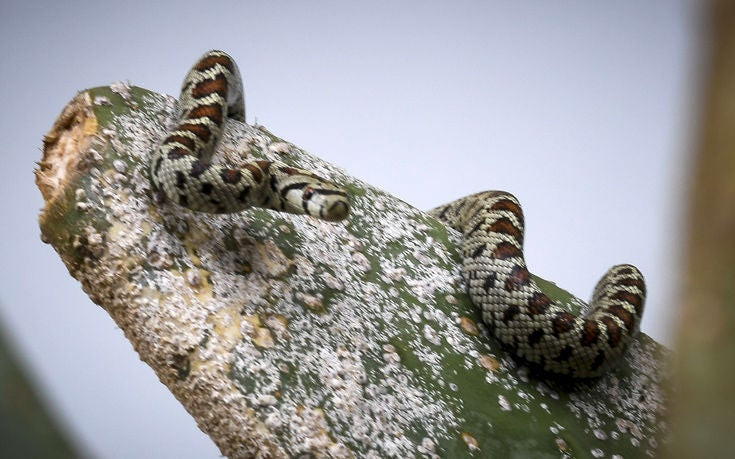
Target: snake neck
[211,93]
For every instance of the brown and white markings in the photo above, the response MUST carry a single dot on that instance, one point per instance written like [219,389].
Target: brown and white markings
[515,309]
[181,165]
[519,314]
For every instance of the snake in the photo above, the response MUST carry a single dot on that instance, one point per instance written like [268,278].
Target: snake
[517,312]
[535,328]
[181,165]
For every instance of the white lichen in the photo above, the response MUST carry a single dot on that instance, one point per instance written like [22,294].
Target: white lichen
[306,347]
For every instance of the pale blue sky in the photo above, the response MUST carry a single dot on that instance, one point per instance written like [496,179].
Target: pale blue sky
[583,109]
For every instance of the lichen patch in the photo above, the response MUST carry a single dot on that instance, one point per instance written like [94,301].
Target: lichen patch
[286,335]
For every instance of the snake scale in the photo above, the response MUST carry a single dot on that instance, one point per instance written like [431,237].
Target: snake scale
[518,313]
[181,165]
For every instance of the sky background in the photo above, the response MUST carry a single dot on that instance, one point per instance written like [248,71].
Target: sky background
[585,110]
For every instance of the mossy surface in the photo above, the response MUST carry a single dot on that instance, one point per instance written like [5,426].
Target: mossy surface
[355,336]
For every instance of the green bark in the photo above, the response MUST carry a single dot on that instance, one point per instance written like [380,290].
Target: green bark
[287,335]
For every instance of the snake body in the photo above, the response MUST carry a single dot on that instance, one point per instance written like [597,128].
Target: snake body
[519,314]
[181,165]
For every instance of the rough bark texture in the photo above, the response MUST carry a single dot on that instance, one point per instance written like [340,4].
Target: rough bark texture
[285,335]
[704,419]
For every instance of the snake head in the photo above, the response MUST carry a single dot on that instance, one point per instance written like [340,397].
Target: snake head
[325,201]
[311,195]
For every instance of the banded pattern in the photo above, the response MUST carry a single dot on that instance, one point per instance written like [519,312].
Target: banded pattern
[515,309]
[181,165]
[519,314]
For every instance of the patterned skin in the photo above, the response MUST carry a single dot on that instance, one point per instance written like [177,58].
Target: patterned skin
[519,314]
[181,165]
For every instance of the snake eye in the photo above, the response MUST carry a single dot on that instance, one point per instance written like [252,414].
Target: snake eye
[308,193]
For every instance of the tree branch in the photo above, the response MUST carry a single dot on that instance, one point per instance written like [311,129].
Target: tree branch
[285,335]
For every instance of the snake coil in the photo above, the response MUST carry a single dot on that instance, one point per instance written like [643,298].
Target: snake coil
[181,165]
[516,310]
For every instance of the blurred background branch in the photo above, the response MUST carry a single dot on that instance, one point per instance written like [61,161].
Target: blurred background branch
[27,428]
[704,411]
